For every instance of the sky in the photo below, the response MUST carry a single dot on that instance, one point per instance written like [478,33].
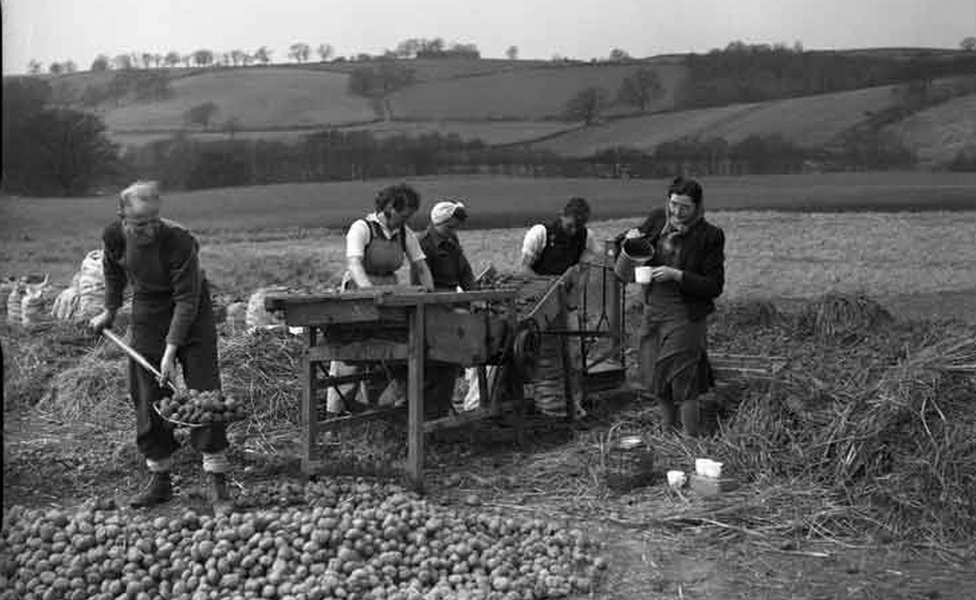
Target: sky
[58,30]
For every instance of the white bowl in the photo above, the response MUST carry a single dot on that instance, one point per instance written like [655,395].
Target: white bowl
[677,479]
[642,274]
[706,467]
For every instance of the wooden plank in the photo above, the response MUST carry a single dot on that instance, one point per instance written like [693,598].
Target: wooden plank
[468,417]
[483,398]
[370,415]
[309,405]
[414,299]
[415,397]
[366,350]
[331,312]
[457,338]
[285,301]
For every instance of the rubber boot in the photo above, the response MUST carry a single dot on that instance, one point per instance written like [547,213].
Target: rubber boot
[690,417]
[158,490]
[669,414]
[218,488]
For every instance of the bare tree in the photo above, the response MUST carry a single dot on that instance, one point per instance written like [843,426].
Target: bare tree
[123,62]
[640,89]
[247,59]
[299,51]
[263,55]
[512,53]
[186,59]
[55,68]
[147,59]
[100,63]
[237,57]
[587,105]
[325,52]
[70,66]
[172,58]
[618,55]
[34,67]
[203,57]
[231,126]
[407,48]
[968,43]
[201,114]
[157,59]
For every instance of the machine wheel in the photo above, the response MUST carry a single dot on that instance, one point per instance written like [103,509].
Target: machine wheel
[525,349]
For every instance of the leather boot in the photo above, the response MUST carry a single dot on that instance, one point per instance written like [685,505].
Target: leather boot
[158,490]
[218,488]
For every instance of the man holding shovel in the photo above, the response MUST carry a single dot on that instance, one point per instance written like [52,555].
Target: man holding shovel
[172,320]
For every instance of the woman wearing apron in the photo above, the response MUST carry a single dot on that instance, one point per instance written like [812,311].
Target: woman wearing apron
[376,246]
[688,274]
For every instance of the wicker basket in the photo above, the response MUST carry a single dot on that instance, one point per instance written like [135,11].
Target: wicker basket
[629,464]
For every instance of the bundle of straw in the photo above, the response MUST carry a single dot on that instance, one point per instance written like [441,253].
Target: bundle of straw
[836,316]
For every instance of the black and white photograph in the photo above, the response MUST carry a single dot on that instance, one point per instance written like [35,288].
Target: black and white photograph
[469,300]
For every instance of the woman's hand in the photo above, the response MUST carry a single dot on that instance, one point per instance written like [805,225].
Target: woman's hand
[633,233]
[665,274]
[167,367]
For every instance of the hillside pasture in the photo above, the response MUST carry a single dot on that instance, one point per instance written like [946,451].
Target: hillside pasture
[430,69]
[301,98]
[529,94]
[938,133]
[808,122]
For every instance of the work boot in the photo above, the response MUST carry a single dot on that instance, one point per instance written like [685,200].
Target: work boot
[219,497]
[158,490]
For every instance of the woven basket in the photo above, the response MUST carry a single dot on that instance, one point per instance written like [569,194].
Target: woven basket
[629,464]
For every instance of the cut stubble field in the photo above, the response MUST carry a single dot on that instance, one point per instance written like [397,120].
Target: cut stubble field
[292,234]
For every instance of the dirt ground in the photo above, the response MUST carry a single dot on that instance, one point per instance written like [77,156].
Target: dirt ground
[49,464]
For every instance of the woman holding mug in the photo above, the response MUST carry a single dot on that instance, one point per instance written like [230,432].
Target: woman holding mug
[687,274]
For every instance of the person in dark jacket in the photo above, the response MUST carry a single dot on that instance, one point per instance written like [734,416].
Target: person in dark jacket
[172,321]
[688,273]
[451,271]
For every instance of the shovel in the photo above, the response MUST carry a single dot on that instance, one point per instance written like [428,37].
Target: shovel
[134,355]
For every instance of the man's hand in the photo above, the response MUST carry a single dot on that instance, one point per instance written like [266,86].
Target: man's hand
[665,274]
[633,233]
[167,368]
[102,321]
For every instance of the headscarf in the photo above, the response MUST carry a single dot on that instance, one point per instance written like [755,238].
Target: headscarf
[669,243]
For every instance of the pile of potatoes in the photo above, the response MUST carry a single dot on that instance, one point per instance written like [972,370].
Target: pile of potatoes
[356,540]
[201,408]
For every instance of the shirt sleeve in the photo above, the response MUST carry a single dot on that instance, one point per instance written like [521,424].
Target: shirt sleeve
[534,243]
[593,249]
[114,273]
[186,279]
[414,252]
[356,239]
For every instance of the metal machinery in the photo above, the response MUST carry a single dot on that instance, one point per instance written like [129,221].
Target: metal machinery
[393,331]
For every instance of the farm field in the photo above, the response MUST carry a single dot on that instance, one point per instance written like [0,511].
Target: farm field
[301,98]
[810,121]
[938,133]
[776,538]
[490,132]
[524,94]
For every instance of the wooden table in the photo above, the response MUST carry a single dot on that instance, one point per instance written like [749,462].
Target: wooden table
[433,330]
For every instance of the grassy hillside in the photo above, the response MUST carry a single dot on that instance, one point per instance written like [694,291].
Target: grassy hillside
[429,69]
[259,98]
[810,122]
[529,94]
[938,133]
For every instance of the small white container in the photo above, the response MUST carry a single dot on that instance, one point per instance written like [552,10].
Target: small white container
[677,479]
[642,275]
[706,467]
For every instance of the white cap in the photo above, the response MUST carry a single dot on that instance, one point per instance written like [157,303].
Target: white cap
[443,211]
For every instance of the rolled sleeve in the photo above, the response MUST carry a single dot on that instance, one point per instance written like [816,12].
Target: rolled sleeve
[533,243]
[186,279]
[593,249]
[414,252]
[356,239]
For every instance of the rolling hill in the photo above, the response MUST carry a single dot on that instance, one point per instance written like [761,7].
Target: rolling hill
[938,133]
[530,94]
[809,121]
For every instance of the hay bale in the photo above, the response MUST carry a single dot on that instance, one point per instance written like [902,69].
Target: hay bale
[94,389]
[837,316]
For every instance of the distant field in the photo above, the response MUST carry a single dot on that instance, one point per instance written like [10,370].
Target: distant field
[491,132]
[530,94]
[300,98]
[434,69]
[938,133]
[810,121]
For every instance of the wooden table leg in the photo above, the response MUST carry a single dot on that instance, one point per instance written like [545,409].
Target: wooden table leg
[309,414]
[415,397]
